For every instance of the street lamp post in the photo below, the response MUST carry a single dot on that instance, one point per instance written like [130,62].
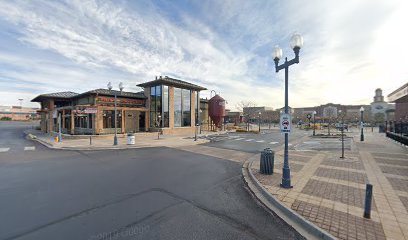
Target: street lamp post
[296,43]
[342,134]
[115,138]
[362,124]
[314,123]
[259,121]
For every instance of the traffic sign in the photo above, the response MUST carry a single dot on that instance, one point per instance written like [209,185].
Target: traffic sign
[285,123]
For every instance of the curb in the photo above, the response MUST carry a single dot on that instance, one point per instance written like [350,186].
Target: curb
[73,148]
[299,223]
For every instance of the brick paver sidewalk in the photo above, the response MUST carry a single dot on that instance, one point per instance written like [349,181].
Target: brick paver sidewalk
[329,191]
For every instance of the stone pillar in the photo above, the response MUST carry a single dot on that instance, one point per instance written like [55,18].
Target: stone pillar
[63,119]
[171,107]
[123,121]
[50,117]
[72,130]
[147,113]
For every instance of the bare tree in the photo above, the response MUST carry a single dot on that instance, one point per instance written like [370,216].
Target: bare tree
[329,113]
[248,109]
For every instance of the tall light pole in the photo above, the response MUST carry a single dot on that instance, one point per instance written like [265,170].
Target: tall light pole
[314,123]
[115,138]
[296,43]
[259,121]
[362,124]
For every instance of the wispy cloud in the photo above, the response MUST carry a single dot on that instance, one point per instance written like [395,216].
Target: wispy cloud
[223,45]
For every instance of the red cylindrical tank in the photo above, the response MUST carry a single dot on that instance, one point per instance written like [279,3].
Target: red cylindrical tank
[216,109]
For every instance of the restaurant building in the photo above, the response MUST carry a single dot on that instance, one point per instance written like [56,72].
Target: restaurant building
[168,105]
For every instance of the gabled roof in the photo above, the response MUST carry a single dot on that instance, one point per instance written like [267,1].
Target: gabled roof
[64,95]
[172,82]
[107,92]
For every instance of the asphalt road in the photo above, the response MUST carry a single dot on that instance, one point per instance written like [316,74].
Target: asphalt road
[254,142]
[157,193]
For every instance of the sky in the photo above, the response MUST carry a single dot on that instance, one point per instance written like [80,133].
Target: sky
[350,48]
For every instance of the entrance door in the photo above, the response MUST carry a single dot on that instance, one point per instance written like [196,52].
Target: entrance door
[132,121]
[142,119]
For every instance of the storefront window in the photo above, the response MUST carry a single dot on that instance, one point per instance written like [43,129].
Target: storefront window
[197,110]
[186,95]
[155,106]
[177,107]
[109,119]
[166,117]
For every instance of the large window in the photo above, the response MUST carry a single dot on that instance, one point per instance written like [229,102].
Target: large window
[186,95]
[177,107]
[166,116]
[182,107]
[159,106]
[109,119]
[197,109]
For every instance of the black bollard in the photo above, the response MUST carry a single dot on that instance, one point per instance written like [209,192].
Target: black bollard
[368,200]
[90,140]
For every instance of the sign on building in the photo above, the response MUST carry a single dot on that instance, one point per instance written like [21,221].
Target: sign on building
[285,122]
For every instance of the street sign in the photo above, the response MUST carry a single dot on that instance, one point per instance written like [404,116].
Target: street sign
[285,122]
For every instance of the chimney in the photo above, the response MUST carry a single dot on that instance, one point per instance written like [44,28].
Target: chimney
[160,77]
[156,77]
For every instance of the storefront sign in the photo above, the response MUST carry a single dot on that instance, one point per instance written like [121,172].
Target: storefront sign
[90,110]
[138,102]
[285,123]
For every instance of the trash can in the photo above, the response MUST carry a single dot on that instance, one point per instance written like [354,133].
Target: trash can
[267,161]
[130,138]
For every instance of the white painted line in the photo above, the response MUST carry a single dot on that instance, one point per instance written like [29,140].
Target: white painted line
[4,149]
[29,148]
[260,141]
[249,140]
[289,144]
[239,139]
[273,142]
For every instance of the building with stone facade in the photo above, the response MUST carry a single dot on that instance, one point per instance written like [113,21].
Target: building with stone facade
[380,110]
[168,105]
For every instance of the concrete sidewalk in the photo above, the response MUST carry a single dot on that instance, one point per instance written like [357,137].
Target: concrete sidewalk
[106,142]
[329,191]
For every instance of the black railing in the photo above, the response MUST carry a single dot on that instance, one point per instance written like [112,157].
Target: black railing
[399,137]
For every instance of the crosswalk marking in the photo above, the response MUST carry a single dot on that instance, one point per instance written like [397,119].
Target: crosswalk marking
[29,148]
[249,140]
[4,149]
[260,141]
[239,139]
[273,142]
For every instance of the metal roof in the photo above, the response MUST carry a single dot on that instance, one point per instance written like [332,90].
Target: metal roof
[66,95]
[172,82]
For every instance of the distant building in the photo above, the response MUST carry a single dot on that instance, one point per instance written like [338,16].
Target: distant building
[18,113]
[380,110]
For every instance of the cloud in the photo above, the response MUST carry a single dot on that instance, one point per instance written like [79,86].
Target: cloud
[222,45]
